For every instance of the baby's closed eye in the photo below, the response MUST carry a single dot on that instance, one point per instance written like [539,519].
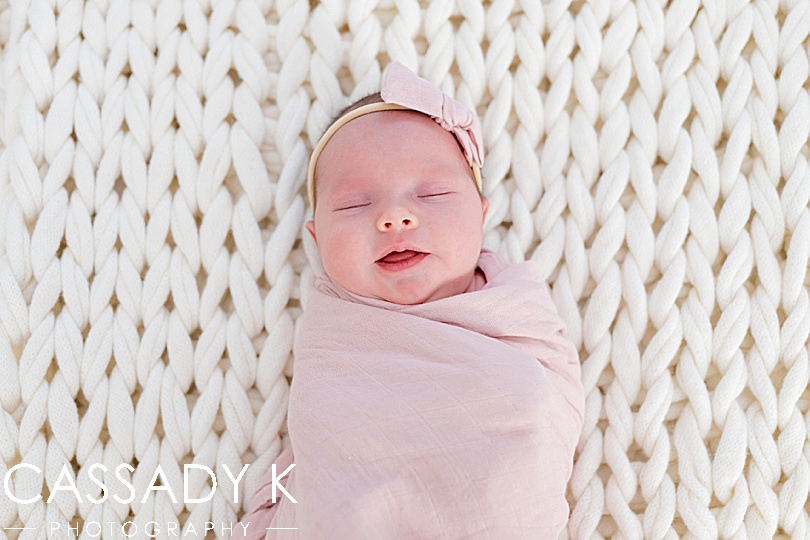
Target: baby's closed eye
[350,205]
[435,194]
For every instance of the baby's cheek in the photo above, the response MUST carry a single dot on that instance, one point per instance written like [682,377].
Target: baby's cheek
[334,255]
[340,254]
[464,232]
[329,250]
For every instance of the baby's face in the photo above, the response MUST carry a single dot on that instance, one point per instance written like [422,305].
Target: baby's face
[398,216]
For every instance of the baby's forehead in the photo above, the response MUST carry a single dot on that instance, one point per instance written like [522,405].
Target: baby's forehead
[406,130]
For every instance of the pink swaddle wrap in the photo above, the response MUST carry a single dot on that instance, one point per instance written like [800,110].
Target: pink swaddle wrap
[456,418]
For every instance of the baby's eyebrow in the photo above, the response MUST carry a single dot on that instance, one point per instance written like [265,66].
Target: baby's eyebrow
[343,190]
[340,186]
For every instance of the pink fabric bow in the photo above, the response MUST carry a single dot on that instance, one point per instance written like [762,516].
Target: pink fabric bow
[401,86]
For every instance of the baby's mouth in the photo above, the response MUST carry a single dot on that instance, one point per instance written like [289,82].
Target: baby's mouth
[399,256]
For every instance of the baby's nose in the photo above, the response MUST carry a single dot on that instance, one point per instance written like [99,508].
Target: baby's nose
[396,218]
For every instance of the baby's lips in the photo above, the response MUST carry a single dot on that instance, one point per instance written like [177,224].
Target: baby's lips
[399,248]
[396,256]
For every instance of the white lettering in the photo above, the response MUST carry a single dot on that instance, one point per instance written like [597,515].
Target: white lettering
[67,473]
[8,477]
[98,482]
[87,526]
[235,480]
[208,497]
[133,526]
[278,485]
[164,487]
[67,481]
[156,529]
[123,481]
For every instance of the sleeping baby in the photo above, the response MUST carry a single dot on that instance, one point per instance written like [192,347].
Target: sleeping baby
[433,394]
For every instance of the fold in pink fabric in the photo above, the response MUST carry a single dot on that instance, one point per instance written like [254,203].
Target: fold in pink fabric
[401,86]
[456,418]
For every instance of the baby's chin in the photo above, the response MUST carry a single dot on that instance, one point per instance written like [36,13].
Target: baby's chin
[411,299]
[417,292]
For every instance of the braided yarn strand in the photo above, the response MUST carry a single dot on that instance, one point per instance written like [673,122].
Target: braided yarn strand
[651,157]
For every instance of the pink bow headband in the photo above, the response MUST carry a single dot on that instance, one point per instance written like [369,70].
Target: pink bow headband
[403,90]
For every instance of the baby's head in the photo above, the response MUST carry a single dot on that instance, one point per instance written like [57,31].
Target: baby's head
[399,212]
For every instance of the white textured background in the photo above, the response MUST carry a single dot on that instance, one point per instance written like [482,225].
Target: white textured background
[653,156]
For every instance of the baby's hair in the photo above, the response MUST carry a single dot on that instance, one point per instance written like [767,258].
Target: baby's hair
[376,97]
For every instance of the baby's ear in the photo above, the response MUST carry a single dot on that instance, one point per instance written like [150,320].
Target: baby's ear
[484,205]
[311,229]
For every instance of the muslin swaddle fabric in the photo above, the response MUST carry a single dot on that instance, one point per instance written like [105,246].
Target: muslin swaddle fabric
[456,418]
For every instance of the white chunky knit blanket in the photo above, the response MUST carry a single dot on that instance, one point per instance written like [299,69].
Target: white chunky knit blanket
[652,156]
